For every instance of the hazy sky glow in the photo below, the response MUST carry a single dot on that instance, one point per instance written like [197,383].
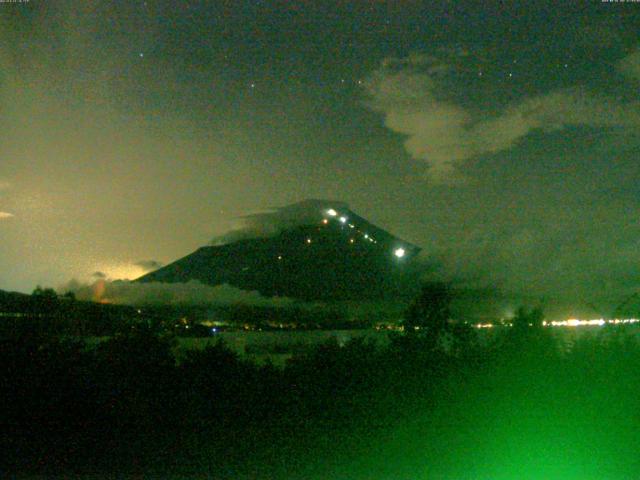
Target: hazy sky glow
[504,142]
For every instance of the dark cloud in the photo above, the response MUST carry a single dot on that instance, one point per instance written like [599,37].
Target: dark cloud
[629,66]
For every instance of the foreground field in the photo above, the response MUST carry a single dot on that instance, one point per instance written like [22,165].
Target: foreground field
[131,406]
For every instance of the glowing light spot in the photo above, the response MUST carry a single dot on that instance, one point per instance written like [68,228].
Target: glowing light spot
[332,212]
[366,236]
[308,240]
[279,257]
[121,271]
[351,240]
[574,322]
[343,219]
[99,289]
[399,252]
[325,221]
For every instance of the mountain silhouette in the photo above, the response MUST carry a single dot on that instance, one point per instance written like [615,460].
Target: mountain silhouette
[312,250]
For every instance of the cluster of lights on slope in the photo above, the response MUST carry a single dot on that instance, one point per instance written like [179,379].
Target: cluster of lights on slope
[398,252]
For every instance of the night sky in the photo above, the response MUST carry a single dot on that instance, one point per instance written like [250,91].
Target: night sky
[504,141]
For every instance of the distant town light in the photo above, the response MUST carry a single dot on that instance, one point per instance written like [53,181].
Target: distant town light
[343,219]
[308,240]
[332,212]
[325,221]
[574,322]
[399,252]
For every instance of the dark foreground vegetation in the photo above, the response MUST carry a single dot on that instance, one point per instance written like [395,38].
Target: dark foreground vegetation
[46,311]
[517,408]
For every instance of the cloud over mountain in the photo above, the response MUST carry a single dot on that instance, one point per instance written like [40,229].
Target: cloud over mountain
[149,265]
[272,221]
[190,293]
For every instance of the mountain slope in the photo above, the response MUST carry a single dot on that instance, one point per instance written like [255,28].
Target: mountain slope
[339,256]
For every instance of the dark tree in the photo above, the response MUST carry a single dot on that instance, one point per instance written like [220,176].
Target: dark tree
[45,301]
[431,310]
[70,296]
[525,318]
[47,294]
